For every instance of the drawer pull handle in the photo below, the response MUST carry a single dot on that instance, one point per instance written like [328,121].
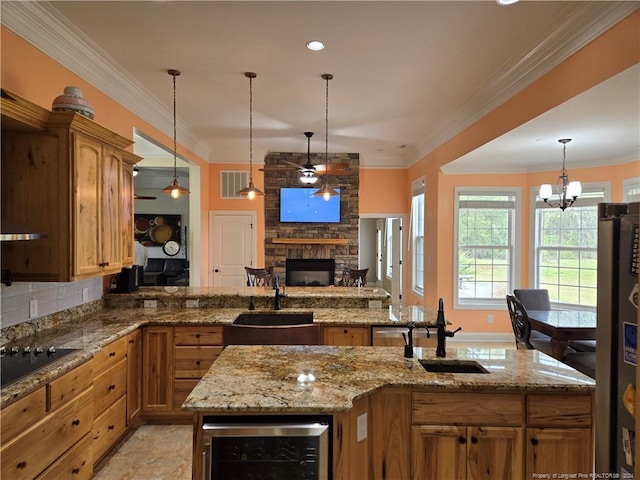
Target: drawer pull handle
[534,441]
[197,362]
[111,427]
[112,354]
[345,331]
[75,422]
[132,341]
[462,440]
[75,471]
[112,387]
[197,335]
[21,465]
[474,440]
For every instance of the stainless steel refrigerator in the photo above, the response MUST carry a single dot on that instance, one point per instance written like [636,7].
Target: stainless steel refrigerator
[617,334]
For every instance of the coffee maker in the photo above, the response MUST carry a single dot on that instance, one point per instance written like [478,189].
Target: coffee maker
[128,279]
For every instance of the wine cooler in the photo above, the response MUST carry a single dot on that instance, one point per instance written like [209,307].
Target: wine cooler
[266,448]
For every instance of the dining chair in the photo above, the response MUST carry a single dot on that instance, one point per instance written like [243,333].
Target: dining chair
[522,331]
[259,277]
[353,277]
[584,362]
[303,334]
[533,298]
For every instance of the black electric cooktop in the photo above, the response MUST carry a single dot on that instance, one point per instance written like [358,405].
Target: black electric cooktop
[17,363]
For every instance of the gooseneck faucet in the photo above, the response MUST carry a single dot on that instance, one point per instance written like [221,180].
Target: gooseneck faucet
[278,295]
[443,333]
[408,341]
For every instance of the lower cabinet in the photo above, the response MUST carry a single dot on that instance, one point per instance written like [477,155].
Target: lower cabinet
[459,453]
[134,375]
[345,336]
[77,463]
[157,374]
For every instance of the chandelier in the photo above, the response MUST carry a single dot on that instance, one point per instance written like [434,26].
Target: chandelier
[250,191]
[174,188]
[566,191]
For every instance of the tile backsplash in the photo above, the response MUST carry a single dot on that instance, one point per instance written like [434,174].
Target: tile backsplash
[52,297]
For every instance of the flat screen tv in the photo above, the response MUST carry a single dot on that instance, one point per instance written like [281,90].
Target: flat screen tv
[301,206]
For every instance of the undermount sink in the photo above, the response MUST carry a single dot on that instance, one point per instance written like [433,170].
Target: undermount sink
[453,366]
[274,318]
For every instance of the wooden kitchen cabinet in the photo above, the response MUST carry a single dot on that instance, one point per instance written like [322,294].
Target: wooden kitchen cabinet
[134,375]
[72,183]
[157,373]
[345,336]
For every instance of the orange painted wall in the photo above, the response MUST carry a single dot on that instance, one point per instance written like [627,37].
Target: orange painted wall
[383,190]
[30,74]
[611,53]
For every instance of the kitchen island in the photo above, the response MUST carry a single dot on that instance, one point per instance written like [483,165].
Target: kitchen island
[529,414]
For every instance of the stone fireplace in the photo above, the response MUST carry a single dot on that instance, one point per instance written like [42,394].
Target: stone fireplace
[310,272]
[311,241]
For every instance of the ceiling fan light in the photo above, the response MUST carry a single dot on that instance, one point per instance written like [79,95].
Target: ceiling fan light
[308,179]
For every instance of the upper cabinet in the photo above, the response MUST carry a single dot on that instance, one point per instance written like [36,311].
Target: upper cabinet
[73,182]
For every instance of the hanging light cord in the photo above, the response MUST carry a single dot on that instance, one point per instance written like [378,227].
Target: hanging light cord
[250,129]
[326,129]
[175,147]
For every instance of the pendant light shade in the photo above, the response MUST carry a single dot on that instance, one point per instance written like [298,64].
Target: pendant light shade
[250,191]
[326,191]
[568,192]
[174,188]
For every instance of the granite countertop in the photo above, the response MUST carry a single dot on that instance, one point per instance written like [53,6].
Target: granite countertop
[90,332]
[265,379]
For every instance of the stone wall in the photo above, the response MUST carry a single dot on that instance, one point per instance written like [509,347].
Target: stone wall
[278,175]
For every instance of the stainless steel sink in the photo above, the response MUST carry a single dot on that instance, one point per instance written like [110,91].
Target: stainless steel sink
[453,366]
[274,318]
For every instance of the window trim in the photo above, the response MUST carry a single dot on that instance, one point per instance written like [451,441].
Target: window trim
[628,184]
[475,304]
[605,187]
[418,187]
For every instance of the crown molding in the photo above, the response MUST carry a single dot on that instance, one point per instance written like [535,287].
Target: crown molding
[573,31]
[46,29]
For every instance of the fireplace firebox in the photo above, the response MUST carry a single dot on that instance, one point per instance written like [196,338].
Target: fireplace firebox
[310,272]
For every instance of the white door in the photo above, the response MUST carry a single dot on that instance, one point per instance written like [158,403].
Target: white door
[232,247]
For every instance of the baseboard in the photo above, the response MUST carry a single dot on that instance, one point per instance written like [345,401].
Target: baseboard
[485,337]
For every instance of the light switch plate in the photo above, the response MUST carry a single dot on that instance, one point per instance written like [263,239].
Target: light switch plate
[362,427]
[150,304]
[33,308]
[192,303]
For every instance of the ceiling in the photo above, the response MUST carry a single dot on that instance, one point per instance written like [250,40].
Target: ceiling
[407,75]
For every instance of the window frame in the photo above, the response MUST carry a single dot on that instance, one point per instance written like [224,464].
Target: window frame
[629,184]
[417,254]
[534,281]
[515,245]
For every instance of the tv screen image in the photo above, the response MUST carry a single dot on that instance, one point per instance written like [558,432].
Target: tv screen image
[298,204]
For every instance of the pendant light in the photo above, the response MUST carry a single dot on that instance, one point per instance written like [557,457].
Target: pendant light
[250,191]
[174,188]
[326,191]
[567,191]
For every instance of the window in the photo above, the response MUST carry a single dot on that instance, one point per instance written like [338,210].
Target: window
[485,240]
[631,189]
[566,248]
[417,236]
[388,227]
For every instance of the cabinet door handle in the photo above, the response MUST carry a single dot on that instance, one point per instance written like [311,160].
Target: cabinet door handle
[462,440]
[112,387]
[112,354]
[197,335]
[474,440]
[111,427]
[534,441]
[197,362]
[21,465]
[345,331]
[75,471]
[75,422]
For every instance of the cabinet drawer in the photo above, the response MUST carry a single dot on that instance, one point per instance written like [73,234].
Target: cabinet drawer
[70,384]
[77,463]
[108,428]
[23,413]
[198,336]
[110,355]
[55,433]
[559,410]
[193,362]
[345,336]
[109,386]
[468,408]
[181,390]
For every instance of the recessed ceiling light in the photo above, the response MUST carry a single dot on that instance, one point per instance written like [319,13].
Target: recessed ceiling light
[506,2]
[315,45]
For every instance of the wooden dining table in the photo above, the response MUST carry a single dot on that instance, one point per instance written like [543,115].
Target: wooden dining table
[563,326]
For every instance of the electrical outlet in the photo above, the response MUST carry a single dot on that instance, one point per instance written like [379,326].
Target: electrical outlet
[375,303]
[33,308]
[85,294]
[192,303]
[489,318]
[362,427]
[150,304]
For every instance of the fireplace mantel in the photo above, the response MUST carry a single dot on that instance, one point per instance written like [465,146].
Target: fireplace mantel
[311,241]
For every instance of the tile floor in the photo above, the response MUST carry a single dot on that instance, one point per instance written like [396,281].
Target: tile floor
[150,452]
[163,452]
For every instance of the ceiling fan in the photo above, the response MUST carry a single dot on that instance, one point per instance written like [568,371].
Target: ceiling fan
[143,197]
[308,170]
